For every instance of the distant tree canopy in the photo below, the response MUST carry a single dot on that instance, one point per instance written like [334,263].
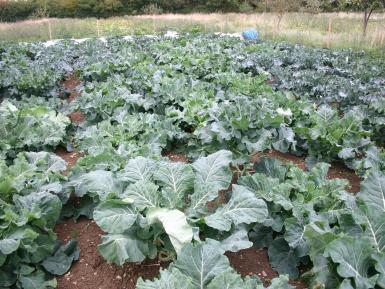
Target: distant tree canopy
[12,10]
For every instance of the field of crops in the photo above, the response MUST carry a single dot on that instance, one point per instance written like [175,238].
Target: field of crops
[191,162]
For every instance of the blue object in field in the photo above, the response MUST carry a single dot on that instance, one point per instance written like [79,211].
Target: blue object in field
[250,34]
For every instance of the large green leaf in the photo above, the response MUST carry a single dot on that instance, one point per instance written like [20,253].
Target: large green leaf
[270,167]
[121,248]
[47,162]
[214,170]
[9,245]
[373,190]
[142,194]
[169,279]
[174,223]
[99,182]
[283,258]
[177,180]
[380,267]
[295,236]
[243,207]
[44,208]
[37,280]
[231,280]
[202,194]
[354,258]
[202,262]
[137,169]
[62,259]
[373,222]
[238,240]
[115,216]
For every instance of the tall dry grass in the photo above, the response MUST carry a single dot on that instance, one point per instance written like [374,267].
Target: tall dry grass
[333,30]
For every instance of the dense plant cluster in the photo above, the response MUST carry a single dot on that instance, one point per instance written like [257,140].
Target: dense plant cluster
[217,101]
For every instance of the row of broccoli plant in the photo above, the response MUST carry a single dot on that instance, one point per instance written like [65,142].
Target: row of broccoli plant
[203,121]
[163,76]
[31,201]
[157,208]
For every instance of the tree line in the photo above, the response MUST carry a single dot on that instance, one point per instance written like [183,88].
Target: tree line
[13,10]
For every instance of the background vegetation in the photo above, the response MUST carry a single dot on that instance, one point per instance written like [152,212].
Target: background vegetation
[12,10]
[333,30]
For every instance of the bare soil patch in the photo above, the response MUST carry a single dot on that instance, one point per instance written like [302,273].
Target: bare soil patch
[92,271]
[256,262]
[176,157]
[71,84]
[70,157]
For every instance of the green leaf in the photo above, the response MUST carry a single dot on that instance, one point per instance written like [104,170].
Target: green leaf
[202,262]
[177,179]
[37,280]
[214,170]
[9,245]
[281,282]
[373,190]
[354,258]
[137,169]
[373,222]
[115,216]
[282,258]
[270,167]
[99,182]
[46,162]
[42,207]
[7,278]
[61,261]
[174,223]
[202,194]
[295,236]
[142,194]
[169,279]
[243,207]
[380,267]
[231,280]
[238,240]
[121,248]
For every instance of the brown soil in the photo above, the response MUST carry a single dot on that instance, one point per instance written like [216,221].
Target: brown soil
[91,271]
[175,157]
[340,171]
[71,83]
[70,157]
[337,170]
[76,117]
[256,262]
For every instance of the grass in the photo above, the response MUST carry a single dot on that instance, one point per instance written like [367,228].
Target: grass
[332,30]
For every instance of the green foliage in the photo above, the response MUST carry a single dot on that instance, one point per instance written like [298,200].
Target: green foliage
[216,100]
[32,128]
[203,265]
[151,213]
[30,204]
[16,10]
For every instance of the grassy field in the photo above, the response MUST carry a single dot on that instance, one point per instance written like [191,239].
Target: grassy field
[334,30]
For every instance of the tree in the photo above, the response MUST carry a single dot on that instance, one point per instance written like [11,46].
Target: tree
[283,6]
[367,6]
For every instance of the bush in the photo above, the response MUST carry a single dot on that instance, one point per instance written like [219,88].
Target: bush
[16,10]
